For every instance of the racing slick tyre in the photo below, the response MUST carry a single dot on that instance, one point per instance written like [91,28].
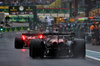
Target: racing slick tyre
[79,48]
[18,43]
[37,48]
[30,47]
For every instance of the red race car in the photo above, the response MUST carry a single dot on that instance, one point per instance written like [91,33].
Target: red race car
[24,39]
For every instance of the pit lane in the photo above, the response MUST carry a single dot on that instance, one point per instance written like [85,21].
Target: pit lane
[9,56]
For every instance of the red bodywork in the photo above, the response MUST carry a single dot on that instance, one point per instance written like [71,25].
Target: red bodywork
[27,39]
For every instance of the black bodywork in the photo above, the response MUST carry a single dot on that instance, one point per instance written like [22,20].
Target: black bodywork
[70,47]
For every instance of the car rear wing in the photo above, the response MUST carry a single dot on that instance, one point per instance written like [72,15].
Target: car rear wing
[35,34]
[65,33]
[31,34]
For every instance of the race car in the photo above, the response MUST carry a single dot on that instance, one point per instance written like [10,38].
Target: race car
[57,44]
[24,39]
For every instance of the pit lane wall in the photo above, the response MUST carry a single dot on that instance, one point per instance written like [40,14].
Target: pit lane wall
[12,29]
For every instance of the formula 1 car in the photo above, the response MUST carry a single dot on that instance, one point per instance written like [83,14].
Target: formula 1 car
[57,44]
[24,39]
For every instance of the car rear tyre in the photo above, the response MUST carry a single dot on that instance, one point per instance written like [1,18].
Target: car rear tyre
[79,48]
[18,43]
[37,48]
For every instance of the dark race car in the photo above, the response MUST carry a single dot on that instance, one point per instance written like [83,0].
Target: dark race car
[57,44]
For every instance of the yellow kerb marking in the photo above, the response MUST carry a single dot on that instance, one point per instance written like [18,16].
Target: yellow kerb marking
[21,29]
[5,29]
[10,30]
[15,29]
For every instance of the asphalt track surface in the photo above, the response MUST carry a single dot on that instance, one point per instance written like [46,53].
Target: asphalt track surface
[9,56]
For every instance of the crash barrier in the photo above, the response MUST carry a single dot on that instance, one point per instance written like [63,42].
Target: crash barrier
[11,29]
[20,18]
[26,18]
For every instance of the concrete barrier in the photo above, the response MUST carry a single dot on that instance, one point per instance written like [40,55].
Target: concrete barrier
[11,29]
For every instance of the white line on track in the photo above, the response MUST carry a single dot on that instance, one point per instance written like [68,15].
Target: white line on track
[92,56]
[93,51]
